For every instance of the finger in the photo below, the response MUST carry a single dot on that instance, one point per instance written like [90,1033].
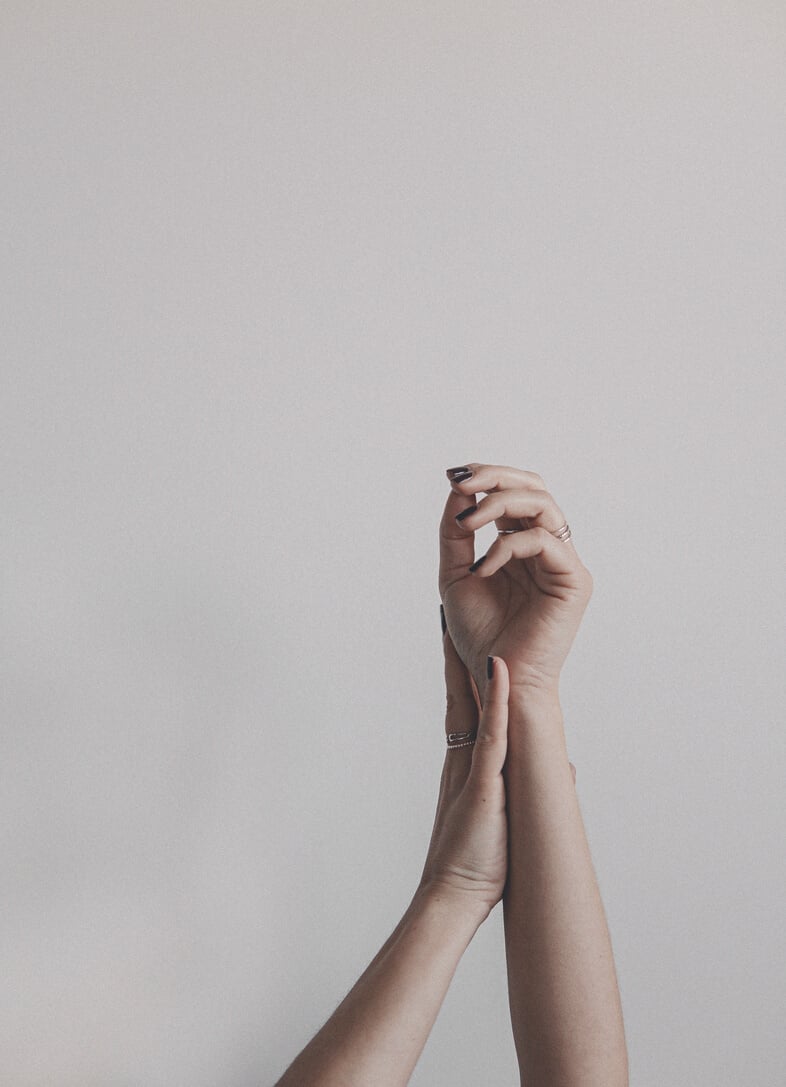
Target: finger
[461,713]
[552,554]
[491,745]
[470,478]
[456,544]
[573,771]
[490,478]
[461,709]
[514,506]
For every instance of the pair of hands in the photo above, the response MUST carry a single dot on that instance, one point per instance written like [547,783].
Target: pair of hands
[521,605]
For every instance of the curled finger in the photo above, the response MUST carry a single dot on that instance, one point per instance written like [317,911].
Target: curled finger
[512,510]
[552,554]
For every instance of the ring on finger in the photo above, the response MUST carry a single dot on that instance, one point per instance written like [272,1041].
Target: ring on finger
[562,533]
[461,739]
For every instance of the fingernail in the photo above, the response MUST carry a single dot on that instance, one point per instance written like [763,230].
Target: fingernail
[490,667]
[465,513]
[442,619]
[458,475]
[476,564]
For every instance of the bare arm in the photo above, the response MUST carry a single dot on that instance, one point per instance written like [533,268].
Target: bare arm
[378,1031]
[564,998]
[523,601]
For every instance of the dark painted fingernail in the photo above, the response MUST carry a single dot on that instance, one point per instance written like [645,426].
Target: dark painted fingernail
[458,475]
[476,564]
[465,513]
[490,667]
[442,619]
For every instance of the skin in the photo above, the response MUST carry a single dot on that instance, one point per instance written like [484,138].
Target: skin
[507,824]
[526,602]
[377,1033]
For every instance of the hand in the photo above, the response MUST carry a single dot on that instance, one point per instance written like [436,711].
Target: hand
[526,600]
[468,853]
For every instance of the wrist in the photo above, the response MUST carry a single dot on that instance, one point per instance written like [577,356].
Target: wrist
[536,730]
[462,910]
[526,700]
[525,690]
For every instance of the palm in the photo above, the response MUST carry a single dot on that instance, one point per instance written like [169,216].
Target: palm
[523,613]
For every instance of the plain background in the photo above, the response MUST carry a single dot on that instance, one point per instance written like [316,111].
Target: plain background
[269,269]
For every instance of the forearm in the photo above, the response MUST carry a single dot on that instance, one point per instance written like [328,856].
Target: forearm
[377,1033]
[564,997]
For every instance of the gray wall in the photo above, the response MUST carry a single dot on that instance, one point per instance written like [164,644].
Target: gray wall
[269,269]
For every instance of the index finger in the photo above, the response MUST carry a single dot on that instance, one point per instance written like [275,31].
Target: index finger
[476,476]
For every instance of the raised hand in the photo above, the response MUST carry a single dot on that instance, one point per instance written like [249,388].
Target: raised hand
[525,598]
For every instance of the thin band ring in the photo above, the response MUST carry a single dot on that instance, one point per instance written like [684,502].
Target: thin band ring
[461,739]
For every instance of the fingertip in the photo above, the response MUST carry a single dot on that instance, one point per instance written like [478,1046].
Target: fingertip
[497,694]
[498,690]
[497,672]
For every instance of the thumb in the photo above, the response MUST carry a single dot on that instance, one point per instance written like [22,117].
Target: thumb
[491,746]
